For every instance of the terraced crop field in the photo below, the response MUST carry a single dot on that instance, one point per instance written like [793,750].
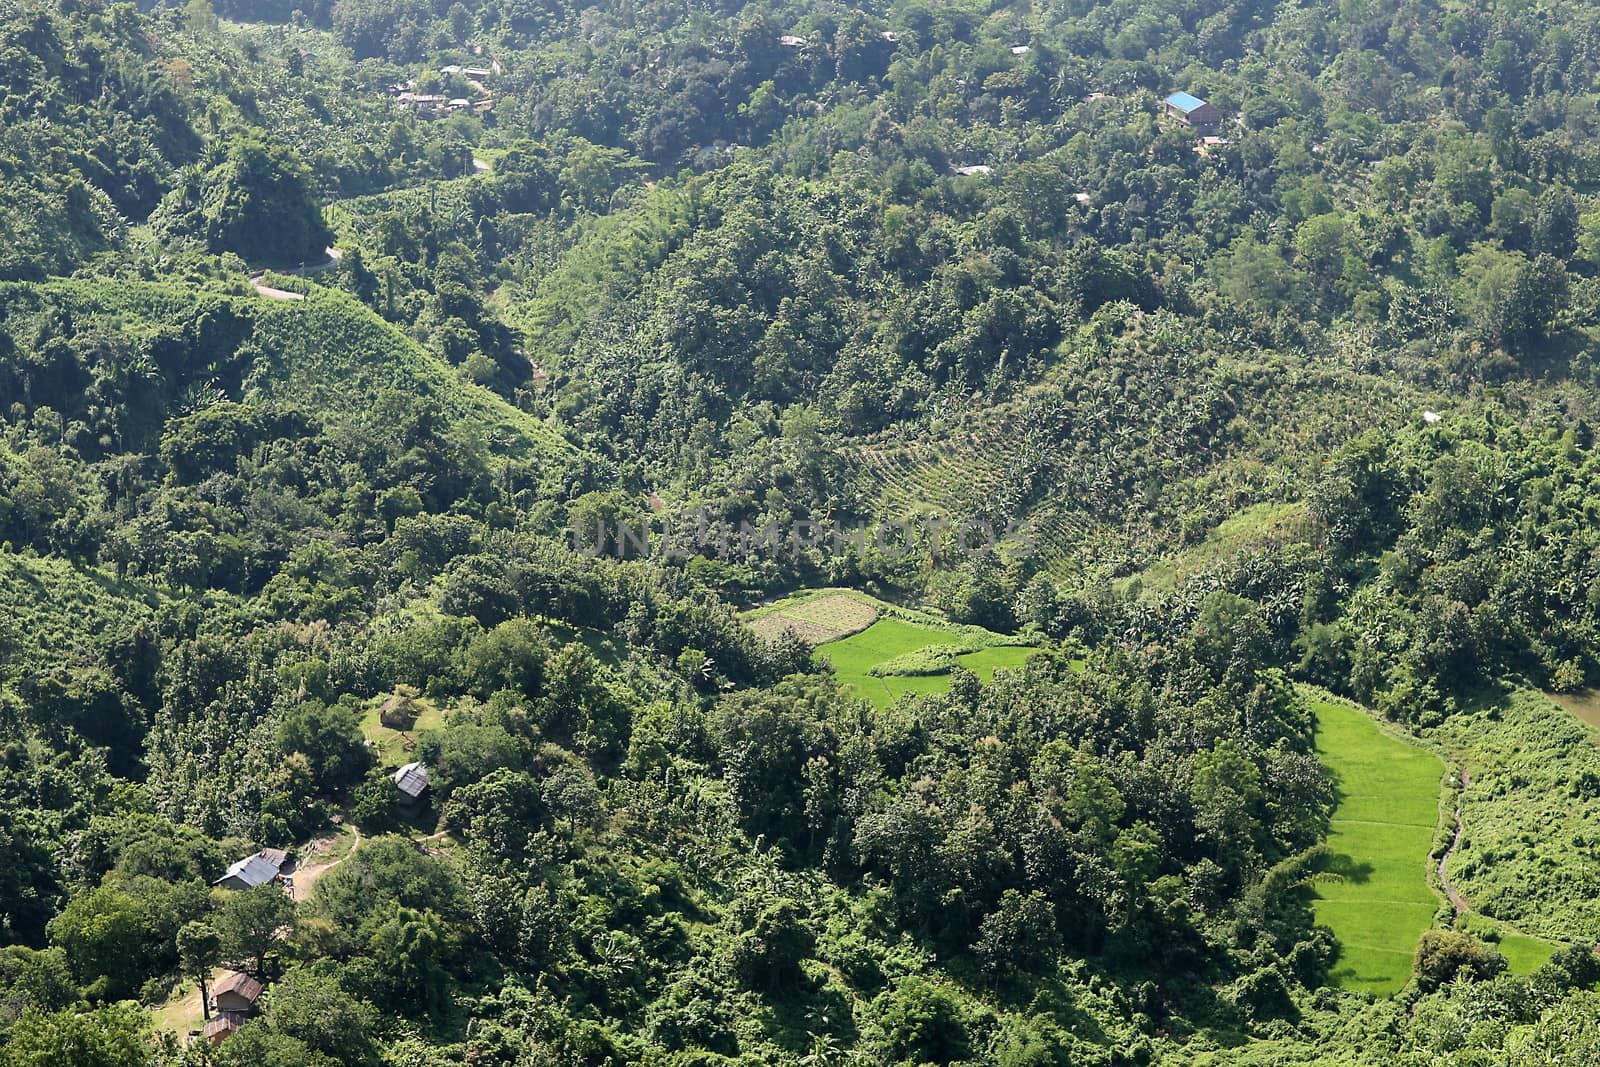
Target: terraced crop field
[906,479]
[956,479]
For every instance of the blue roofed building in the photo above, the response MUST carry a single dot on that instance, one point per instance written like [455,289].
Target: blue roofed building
[1192,111]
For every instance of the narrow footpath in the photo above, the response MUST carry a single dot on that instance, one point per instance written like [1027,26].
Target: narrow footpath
[1456,899]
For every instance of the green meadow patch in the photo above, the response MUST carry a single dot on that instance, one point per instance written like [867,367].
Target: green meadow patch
[897,655]
[1373,892]
[1524,953]
[396,744]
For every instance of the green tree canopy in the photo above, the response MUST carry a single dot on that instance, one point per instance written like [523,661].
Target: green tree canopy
[257,201]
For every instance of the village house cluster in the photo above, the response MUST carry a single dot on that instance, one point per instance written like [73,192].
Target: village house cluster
[1181,108]
[431,104]
[233,998]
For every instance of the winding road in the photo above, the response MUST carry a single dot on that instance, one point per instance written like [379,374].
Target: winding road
[269,292]
[331,258]
[331,255]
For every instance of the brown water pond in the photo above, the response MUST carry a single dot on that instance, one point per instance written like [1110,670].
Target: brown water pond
[1584,703]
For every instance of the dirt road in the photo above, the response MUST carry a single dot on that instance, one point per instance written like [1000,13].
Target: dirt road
[306,874]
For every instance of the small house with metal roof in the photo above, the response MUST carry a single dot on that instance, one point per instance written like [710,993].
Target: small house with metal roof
[222,1026]
[1191,110]
[412,781]
[236,994]
[256,869]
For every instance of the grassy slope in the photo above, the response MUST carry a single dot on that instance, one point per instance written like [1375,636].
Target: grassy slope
[52,605]
[602,267]
[1376,896]
[328,352]
[1246,528]
[1532,813]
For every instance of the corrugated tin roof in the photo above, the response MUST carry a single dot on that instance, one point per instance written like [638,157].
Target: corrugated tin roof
[239,983]
[1184,102]
[255,870]
[412,779]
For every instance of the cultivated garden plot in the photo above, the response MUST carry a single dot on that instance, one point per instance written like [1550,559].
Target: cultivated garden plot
[883,650]
[818,616]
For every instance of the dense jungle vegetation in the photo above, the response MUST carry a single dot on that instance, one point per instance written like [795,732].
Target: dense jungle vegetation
[329,331]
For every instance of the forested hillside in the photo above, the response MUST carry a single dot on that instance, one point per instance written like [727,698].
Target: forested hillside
[919,533]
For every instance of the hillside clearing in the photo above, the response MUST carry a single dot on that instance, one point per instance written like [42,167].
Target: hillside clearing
[815,617]
[854,657]
[182,1012]
[394,747]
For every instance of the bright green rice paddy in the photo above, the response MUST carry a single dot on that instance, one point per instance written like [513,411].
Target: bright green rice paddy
[1375,894]
[854,656]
